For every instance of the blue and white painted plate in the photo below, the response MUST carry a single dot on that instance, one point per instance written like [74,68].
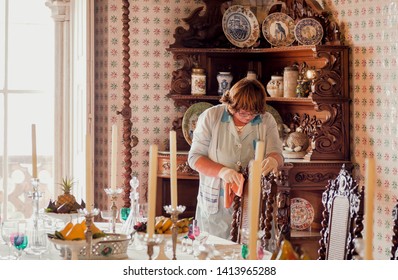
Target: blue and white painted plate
[240,26]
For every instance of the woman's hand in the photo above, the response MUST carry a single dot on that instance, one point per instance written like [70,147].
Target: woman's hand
[229,175]
[269,164]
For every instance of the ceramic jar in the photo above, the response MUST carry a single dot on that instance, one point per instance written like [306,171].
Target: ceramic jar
[224,80]
[198,82]
[251,75]
[290,77]
[275,86]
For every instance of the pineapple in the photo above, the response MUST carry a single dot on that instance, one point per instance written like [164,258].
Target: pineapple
[66,201]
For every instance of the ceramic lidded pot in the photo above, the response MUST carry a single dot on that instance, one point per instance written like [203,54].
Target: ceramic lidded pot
[275,86]
[198,83]
[224,80]
[290,77]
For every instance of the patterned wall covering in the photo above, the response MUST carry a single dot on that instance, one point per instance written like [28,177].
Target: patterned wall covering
[369,27]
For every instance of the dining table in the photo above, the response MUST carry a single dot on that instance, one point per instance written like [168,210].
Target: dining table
[212,248]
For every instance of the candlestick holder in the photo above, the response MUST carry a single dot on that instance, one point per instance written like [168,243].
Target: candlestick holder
[89,215]
[37,242]
[155,240]
[174,228]
[113,194]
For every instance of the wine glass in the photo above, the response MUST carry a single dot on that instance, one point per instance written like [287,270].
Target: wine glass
[108,215]
[143,212]
[8,228]
[19,239]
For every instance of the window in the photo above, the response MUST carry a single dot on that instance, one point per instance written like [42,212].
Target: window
[26,97]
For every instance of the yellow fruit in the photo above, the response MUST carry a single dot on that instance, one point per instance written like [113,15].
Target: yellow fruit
[76,233]
[66,229]
[167,223]
[286,251]
[185,229]
[84,224]
[181,222]
[167,231]
[159,224]
[94,228]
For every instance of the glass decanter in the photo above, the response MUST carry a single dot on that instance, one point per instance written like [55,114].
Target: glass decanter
[128,226]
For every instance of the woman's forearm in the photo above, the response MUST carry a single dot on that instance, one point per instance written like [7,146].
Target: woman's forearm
[208,167]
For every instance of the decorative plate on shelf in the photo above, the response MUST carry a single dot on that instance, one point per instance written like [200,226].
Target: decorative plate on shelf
[301,213]
[240,26]
[278,29]
[274,113]
[308,31]
[191,117]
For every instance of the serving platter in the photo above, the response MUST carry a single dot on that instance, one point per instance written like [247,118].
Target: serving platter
[308,31]
[191,117]
[278,29]
[240,26]
[301,213]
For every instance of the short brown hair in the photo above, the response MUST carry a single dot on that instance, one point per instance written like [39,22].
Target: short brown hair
[246,94]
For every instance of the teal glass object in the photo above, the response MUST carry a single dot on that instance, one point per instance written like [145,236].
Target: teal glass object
[124,213]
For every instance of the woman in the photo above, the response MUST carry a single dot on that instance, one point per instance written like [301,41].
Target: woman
[224,142]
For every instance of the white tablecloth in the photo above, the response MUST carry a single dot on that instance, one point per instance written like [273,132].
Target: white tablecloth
[219,248]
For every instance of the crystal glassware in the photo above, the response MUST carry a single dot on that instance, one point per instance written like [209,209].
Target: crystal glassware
[108,215]
[8,229]
[19,239]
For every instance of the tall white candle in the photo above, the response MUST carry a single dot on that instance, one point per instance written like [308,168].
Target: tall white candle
[89,170]
[254,207]
[173,169]
[260,148]
[114,155]
[34,154]
[152,180]
[370,180]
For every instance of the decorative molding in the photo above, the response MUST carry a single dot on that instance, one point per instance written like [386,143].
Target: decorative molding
[60,9]
[314,177]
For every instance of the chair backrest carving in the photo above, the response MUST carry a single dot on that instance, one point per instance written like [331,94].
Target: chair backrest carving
[394,251]
[270,212]
[342,217]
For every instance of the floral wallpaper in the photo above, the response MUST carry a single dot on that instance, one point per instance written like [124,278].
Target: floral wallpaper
[368,27]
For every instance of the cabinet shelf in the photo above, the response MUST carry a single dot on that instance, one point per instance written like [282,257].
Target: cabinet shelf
[324,116]
[293,50]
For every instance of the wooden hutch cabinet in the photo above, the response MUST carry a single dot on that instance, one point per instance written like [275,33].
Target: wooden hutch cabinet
[324,115]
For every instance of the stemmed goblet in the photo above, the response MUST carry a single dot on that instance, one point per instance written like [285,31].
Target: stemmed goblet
[19,239]
[108,215]
[8,228]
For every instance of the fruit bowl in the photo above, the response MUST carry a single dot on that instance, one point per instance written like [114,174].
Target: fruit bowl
[110,247]
[65,217]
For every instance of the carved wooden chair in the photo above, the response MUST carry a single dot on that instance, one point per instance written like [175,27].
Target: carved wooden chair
[269,215]
[394,251]
[342,217]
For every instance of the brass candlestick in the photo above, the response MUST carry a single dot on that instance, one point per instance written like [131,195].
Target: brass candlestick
[113,194]
[174,228]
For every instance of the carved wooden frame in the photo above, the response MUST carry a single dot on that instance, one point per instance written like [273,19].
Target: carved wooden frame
[342,185]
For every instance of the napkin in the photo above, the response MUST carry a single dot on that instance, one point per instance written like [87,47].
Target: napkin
[232,189]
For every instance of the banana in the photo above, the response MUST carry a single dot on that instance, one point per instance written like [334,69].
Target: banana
[181,223]
[159,224]
[167,223]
